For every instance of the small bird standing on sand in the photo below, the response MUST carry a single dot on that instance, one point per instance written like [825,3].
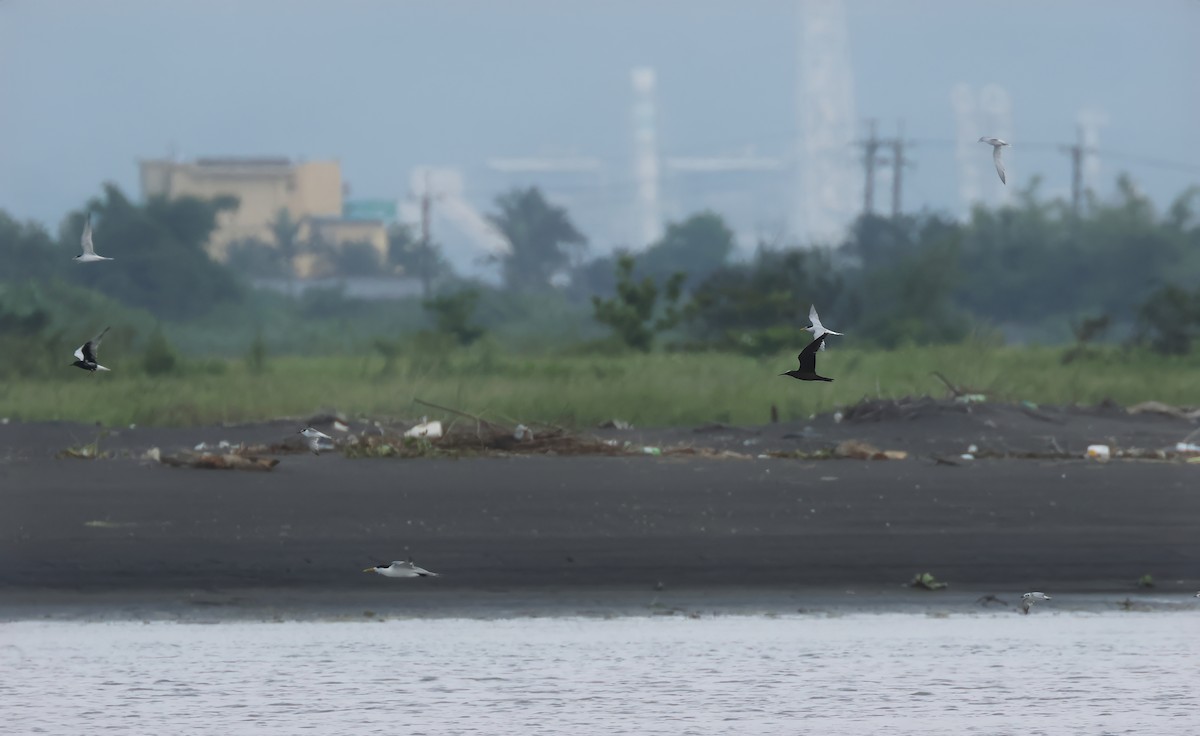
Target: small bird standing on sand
[85,355]
[1029,599]
[996,145]
[808,362]
[816,328]
[314,438]
[402,569]
[89,251]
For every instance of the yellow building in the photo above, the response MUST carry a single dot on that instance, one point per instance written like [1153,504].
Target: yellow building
[311,191]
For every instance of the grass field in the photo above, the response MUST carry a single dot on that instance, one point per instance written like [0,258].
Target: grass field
[659,389]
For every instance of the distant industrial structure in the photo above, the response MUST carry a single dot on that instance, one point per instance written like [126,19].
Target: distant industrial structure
[310,191]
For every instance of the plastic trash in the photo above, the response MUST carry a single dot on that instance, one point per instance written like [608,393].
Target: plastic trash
[651,451]
[1098,452]
[971,399]
[1187,447]
[340,426]
[431,430]
[522,433]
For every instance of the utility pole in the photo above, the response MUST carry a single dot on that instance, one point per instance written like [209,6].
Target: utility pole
[870,148]
[898,163]
[1077,152]
[425,252]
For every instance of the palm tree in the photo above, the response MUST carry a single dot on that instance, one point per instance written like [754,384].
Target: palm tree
[540,234]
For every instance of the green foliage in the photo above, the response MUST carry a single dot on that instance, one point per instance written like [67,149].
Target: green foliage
[761,307]
[452,314]
[632,312]
[904,290]
[161,263]
[698,246]
[1085,333]
[646,389]
[256,356]
[1170,320]
[255,259]
[417,257]
[541,236]
[356,259]
[159,358]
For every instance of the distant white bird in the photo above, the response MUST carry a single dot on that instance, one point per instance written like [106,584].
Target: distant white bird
[816,328]
[996,145]
[402,569]
[314,438]
[1029,599]
[89,250]
[85,354]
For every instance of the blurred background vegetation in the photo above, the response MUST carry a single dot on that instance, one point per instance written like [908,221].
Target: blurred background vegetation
[1098,294]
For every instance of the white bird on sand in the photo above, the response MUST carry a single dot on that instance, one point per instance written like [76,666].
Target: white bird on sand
[816,328]
[996,145]
[314,438]
[89,250]
[402,569]
[85,354]
[1029,599]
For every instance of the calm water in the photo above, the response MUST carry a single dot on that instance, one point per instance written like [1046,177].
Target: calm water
[1049,673]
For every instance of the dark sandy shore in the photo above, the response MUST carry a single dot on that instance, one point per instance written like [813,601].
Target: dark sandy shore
[597,534]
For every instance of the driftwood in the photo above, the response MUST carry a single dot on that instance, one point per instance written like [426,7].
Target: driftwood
[220,461]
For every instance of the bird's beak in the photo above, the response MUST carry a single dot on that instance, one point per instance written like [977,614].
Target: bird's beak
[369,569]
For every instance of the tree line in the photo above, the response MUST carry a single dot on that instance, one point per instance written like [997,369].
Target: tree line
[1030,271]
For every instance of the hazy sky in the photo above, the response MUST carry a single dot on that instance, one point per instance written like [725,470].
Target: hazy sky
[88,87]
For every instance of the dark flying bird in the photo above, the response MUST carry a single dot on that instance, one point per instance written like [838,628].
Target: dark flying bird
[808,362]
[85,356]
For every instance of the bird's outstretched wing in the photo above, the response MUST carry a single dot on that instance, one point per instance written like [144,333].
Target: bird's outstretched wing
[91,346]
[814,319]
[999,163]
[86,240]
[808,356]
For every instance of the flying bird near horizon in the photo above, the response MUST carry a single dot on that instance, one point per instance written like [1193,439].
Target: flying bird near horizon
[997,145]
[402,569]
[85,354]
[89,251]
[314,438]
[815,326]
[808,362]
[1029,599]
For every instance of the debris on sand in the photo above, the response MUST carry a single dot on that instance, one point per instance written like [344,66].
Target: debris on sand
[908,407]
[220,461]
[990,600]
[1158,407]
[864,451]
[1098,452]
[926,581]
